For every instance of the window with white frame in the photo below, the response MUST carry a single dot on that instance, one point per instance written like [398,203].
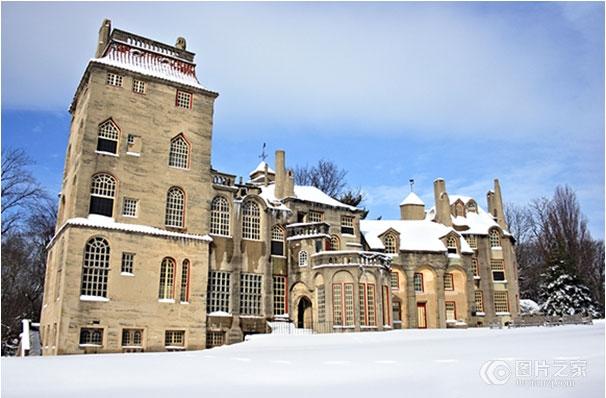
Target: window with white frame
[185,270]
[451,244]
[347,226]
[138,86]
[128,261]
[498,270]
[501,303]
[479,300]
[250,294]
[418,282]
[495,238]
[95,268]
[132,337]
[390,244]
[303,258]
[215,339]
[279,286]
[343,304]
[219,291]
[183,99]
[448,281]
[219,216]
[277,240]
[321,300]
[395,280]
[167,279]
[103,190]
[251,221]
[175,208]
[129,207]
[107,138]
[315,216]
[367,303]
[114,79]
[335,243]
[174,339]
[472,240]
[451,312]
[91,337]
[178,154]
[475,266]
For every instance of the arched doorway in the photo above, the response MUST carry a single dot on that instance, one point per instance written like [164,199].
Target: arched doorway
[304,314]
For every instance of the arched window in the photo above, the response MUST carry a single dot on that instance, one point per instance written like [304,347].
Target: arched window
[390,244]
[178,155]
[219,216]
[251,221]
[95,268]
[303,258]
[107,140]
[167,279]
[451,244]
[277,241]
[335,243]
[185,269]
[102,192]
[175,208]
[495,238]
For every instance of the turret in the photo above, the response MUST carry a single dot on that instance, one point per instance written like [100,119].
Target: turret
[412,208]
[442,202]
[104,31]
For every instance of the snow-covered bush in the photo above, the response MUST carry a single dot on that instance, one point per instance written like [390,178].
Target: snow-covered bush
[529,307]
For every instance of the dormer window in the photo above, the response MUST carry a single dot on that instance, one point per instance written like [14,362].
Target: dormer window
[495,238]
[451,245]
[472,207]
[390,244]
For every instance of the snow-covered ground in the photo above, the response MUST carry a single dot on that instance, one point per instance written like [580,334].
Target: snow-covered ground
[401,363]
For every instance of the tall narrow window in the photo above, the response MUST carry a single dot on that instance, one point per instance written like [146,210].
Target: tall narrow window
[251,221]
[102,192]
[451,312]
[175,206]
[128,260]
[418,282]
[95,268]
[390,244]
[387,310]
[448,281]
[178,155]
[347,225]
[395,280]
[303,258]
[250,294]
[321,300]
[367,300]
[185,270]
[107,140]
[479,300]
[335,243]
[277,241]
[167,279]
[495,238]
[475,267]
[279,286]
[219,291]
[219,216]
[343,304]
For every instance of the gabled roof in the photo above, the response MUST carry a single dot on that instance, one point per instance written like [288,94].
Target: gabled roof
[307,194]
[261,169]
[412,199]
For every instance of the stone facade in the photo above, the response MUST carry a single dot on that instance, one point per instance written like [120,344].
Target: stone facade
[155,250]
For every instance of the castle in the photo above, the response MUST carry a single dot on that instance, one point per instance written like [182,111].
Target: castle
[155,250]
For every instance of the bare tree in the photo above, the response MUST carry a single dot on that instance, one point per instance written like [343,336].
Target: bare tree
[326,176]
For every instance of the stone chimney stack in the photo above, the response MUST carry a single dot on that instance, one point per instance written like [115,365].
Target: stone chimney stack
[495,204]
[181,43]
[442,202]
[289,191]
[280,189]
[104,31]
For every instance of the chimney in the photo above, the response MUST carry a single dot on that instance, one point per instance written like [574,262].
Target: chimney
[181,44]
[280,189]
[289,190]
[497,203]
[104,31]
[442,202]
[265,175]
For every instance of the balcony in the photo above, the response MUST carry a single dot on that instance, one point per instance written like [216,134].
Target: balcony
[350,258]
[307,230]
[223,179]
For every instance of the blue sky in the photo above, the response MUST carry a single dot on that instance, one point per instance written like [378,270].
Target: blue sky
[388,91]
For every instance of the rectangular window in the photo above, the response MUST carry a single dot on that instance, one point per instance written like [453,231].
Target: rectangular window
[215,339]
[321,300]
[395,281]
[343,304]
[386,307]
[479,300]
[498,270]
[183,99]
[250,294]
[418,282]
[367,299]
[132,337]
[280,307]
[101,206]
[475,267]
[138,86]
[501,303]
[347,225]
[472,240]
[185,269]
[174,339]
[218,291]
[315,216]
[129,207]
[128,261]
[451,313]
[91,337]
[114,79]
[448,282]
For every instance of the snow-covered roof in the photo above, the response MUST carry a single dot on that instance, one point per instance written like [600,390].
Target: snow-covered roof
[464,199]
[307,194]
[415,235]
[412,199]
[102,222]
[150,63]
[261,168]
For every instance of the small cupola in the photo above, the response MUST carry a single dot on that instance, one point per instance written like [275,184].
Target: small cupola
[412,208]
[262,174]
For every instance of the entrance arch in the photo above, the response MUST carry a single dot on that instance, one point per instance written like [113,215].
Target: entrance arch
[304,313]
